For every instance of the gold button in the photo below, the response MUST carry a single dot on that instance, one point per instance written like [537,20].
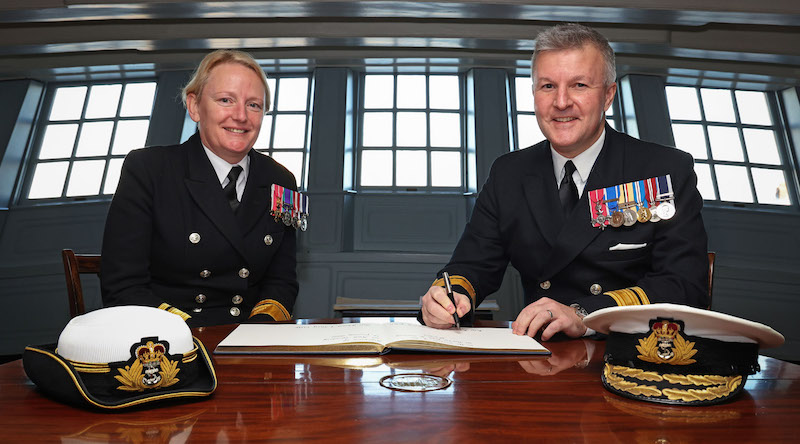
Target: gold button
[595,289]
[545,285]
[194,238]
[235,311]
[243,273]
[200,298]
[205,273]
[237,299]
[268,239]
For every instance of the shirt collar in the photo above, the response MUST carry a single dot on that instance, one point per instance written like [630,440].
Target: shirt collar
[222,167]
[583,162]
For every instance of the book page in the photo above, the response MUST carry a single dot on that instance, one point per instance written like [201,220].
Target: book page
[307,335]
[488,340]
[371,338]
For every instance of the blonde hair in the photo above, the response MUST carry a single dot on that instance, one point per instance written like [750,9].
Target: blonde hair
[218,57]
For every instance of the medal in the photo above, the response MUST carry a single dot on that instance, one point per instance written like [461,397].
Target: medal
[289,207]
[644,214]
[617,219]
[665,210]
[629,217]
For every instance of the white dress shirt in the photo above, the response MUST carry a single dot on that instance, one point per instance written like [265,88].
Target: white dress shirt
[222,168]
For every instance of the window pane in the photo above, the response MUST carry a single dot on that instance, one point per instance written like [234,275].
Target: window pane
[411,92]
[86,177]
[263,137]
[725,143]
[528,129]
[704,183]
[412,168]
[411,129]
[682,103]
[138,99]
[690,138]
[290,131]
[94,139]
[271,84]
[718,105]
[523,91]
[112,176]
[445,129]
[611,123]
[446,169]
[444,92]
[48,180]
[58,141]
[377,129]
[753,108]
[103,101]
[761,146]
[130,134]
[379,91]
[734,186]
[293,161]
[294,94]
[68,103]
[770,186]
[376,168]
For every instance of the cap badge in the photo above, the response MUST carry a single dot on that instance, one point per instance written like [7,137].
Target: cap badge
[150,367]
[666,344]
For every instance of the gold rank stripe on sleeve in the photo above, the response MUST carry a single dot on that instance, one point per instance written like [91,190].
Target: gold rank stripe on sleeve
[461,281]
[173,310]
[272,308]
[629,296]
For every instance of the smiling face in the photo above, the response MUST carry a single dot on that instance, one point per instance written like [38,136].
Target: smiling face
[229,110]
[570,97]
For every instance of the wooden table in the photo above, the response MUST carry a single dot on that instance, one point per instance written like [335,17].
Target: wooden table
[339,399]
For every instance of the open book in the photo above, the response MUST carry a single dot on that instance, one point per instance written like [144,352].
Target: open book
[373,338]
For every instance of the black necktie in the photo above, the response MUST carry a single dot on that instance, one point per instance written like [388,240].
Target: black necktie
[567,190]
[230,188]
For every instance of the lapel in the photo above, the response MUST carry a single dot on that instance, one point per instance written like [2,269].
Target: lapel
[257,193]
[205,189]
[577,231]
[541,193]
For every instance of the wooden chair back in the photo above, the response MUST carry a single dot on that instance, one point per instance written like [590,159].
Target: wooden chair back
[712,256]
[74,266]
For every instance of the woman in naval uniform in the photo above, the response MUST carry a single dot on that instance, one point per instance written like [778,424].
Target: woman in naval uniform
[189,229]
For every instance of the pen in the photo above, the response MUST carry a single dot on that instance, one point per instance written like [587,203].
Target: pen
[452,297]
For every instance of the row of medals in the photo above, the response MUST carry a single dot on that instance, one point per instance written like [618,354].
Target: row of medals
[629,214]
[299,222]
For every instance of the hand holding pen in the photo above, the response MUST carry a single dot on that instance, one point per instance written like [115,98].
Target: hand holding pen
[449,289]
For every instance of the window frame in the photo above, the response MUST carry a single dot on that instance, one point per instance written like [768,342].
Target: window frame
[302,182]
[394,148]
[778,127]
[43,122]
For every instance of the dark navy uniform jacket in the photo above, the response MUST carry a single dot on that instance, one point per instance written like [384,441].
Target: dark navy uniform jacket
[172,240]
[518,219]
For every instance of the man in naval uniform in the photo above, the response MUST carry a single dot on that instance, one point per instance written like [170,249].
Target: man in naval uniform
[534,209]
[189,229]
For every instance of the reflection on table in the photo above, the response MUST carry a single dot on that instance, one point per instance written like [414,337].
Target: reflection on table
[557,398]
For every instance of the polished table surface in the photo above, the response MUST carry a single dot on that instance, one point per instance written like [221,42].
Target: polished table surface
[557,398]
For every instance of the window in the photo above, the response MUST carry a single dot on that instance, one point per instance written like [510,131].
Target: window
[286,130]
[739,156]
[527,130]
[87,133]
[412,132]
